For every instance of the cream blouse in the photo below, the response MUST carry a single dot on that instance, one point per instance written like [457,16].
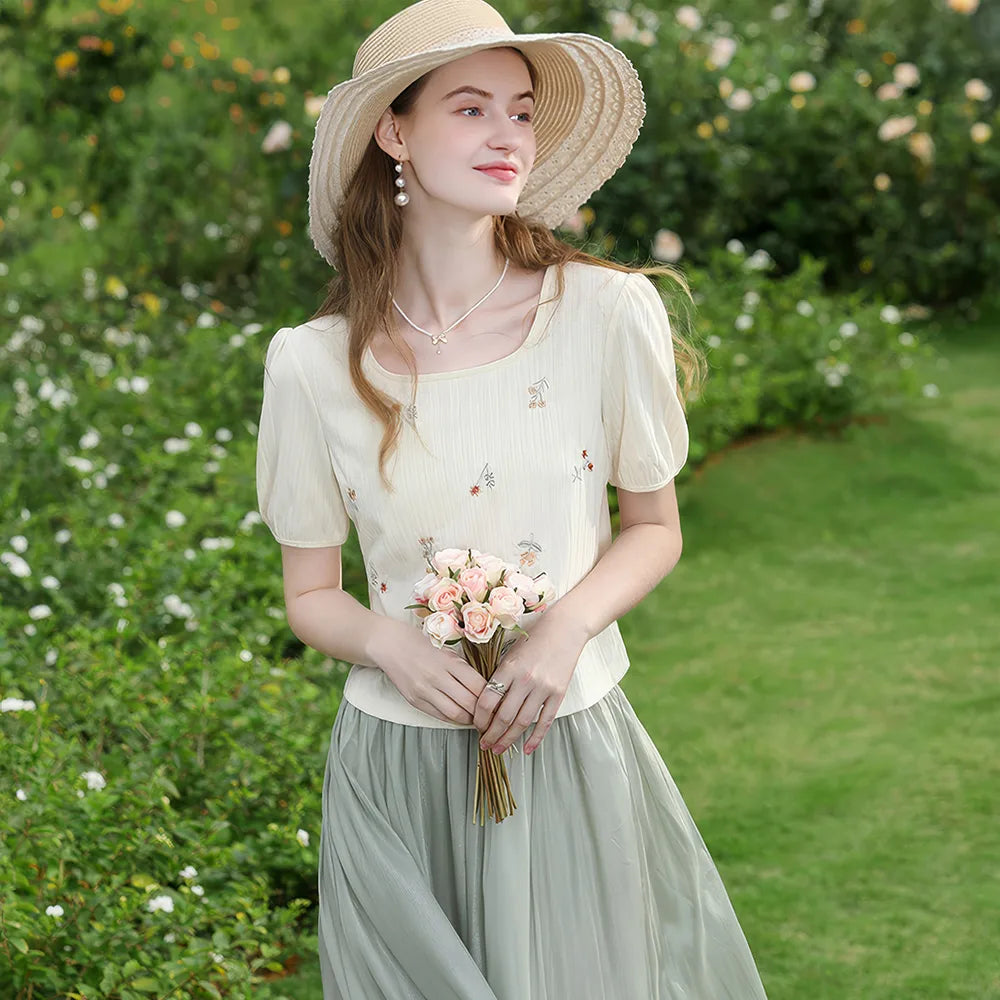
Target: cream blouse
[511,457]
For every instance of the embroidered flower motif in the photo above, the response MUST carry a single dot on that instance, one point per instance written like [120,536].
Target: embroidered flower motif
[486,478]
[585,466]
[409,413]
[529,554]
[427,548]
[352,494]
[535,392]
[373,581]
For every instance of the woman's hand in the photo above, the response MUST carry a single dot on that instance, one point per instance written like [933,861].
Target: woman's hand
[439,682]
[537,670]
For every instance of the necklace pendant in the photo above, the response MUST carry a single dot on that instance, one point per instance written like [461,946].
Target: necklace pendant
[439,337]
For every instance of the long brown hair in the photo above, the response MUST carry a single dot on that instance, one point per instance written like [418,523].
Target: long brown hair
[367,237]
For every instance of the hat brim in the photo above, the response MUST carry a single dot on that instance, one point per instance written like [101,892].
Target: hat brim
[589,110]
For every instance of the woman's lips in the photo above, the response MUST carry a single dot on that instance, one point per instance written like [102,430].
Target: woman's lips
[500,173]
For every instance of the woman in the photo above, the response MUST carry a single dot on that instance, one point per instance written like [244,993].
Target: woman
[536,375]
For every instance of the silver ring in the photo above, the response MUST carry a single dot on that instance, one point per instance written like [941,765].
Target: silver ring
[497,686]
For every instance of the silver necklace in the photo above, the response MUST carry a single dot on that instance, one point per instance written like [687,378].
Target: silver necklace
[443,335]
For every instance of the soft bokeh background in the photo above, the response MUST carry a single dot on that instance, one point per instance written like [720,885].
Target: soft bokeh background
[819,671]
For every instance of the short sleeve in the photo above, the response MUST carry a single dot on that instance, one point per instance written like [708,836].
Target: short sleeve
[298,495]
[645,428]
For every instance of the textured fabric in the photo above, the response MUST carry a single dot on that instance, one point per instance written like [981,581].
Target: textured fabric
[598,887]
[510,457]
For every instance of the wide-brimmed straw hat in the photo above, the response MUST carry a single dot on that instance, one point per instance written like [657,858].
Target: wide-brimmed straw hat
[588,111]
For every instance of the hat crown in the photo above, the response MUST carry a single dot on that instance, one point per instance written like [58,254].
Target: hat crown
[426,25]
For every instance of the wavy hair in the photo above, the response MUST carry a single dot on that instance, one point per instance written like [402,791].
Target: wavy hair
[367,237]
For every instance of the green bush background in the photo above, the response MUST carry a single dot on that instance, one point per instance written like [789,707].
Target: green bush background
[148,248]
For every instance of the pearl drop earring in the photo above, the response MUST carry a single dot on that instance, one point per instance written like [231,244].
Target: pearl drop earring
[402,198]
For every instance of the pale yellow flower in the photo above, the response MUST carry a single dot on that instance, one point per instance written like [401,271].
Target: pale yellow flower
[801,81]
[981,132]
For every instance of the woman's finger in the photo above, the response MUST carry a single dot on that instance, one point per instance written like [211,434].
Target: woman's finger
[529,712]
[505,714]
[544,722]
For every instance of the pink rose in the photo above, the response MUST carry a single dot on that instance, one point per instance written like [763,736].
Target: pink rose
[494,567]
[452,559]
[544,588]
[446,559]
[479,622]
[441,627]
[421,587]
[507,607]
[445,595]
[473,579]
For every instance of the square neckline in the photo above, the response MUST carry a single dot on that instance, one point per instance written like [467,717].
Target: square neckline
[486,366]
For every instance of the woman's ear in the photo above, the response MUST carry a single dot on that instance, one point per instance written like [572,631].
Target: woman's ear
[387,136]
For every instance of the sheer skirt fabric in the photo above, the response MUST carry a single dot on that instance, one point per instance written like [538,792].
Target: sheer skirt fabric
[598,886]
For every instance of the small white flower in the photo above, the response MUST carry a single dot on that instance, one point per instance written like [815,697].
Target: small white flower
[735,246]
[223,434]
[740,359]
[890,314]
[39,611]
[170,937]
[667,245]
[751,299]
[91,439]
[931,390]
[688,17]
[17,705]
[175,519]
[833,378]
[116,520]
[302,836]
[192,429]
[165,903]
[245,655]
[139,384]
[21,794]
[173,446]
[15,564]
[189,871]
[278,138]
[217,957]
[906,339]
[740,99]
[896,126]
[95,780]
[198,890]
[977,90]
[743,322]
[804,308]
[714,341]
[19,543]
[759,260]
[848,329]
[722,51]
[801,81]
[906,74]
[54,911]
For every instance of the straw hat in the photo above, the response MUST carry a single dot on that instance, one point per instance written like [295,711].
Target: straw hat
[588,112]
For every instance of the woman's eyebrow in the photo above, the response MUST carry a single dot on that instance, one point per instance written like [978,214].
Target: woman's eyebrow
[485,94]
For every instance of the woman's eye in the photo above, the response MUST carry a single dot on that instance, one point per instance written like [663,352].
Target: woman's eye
[527,114]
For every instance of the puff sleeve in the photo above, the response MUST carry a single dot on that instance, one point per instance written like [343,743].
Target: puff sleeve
[298,495]
[645,429]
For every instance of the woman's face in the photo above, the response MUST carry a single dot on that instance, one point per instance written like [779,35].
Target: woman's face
[472,113]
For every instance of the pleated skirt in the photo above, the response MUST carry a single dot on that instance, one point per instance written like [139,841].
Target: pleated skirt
[598,886]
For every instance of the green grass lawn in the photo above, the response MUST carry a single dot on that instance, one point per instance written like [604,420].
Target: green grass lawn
[819,672]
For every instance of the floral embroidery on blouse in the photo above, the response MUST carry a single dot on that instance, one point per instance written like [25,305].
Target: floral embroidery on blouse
[529,554]
[585,466]
[427,547]
[486,478]
[380,585]
[535,391]
[410,413]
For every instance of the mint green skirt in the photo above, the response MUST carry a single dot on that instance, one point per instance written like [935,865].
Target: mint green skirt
[598,887]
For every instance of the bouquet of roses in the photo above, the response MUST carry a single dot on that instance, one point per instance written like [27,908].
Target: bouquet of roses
[478,600]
